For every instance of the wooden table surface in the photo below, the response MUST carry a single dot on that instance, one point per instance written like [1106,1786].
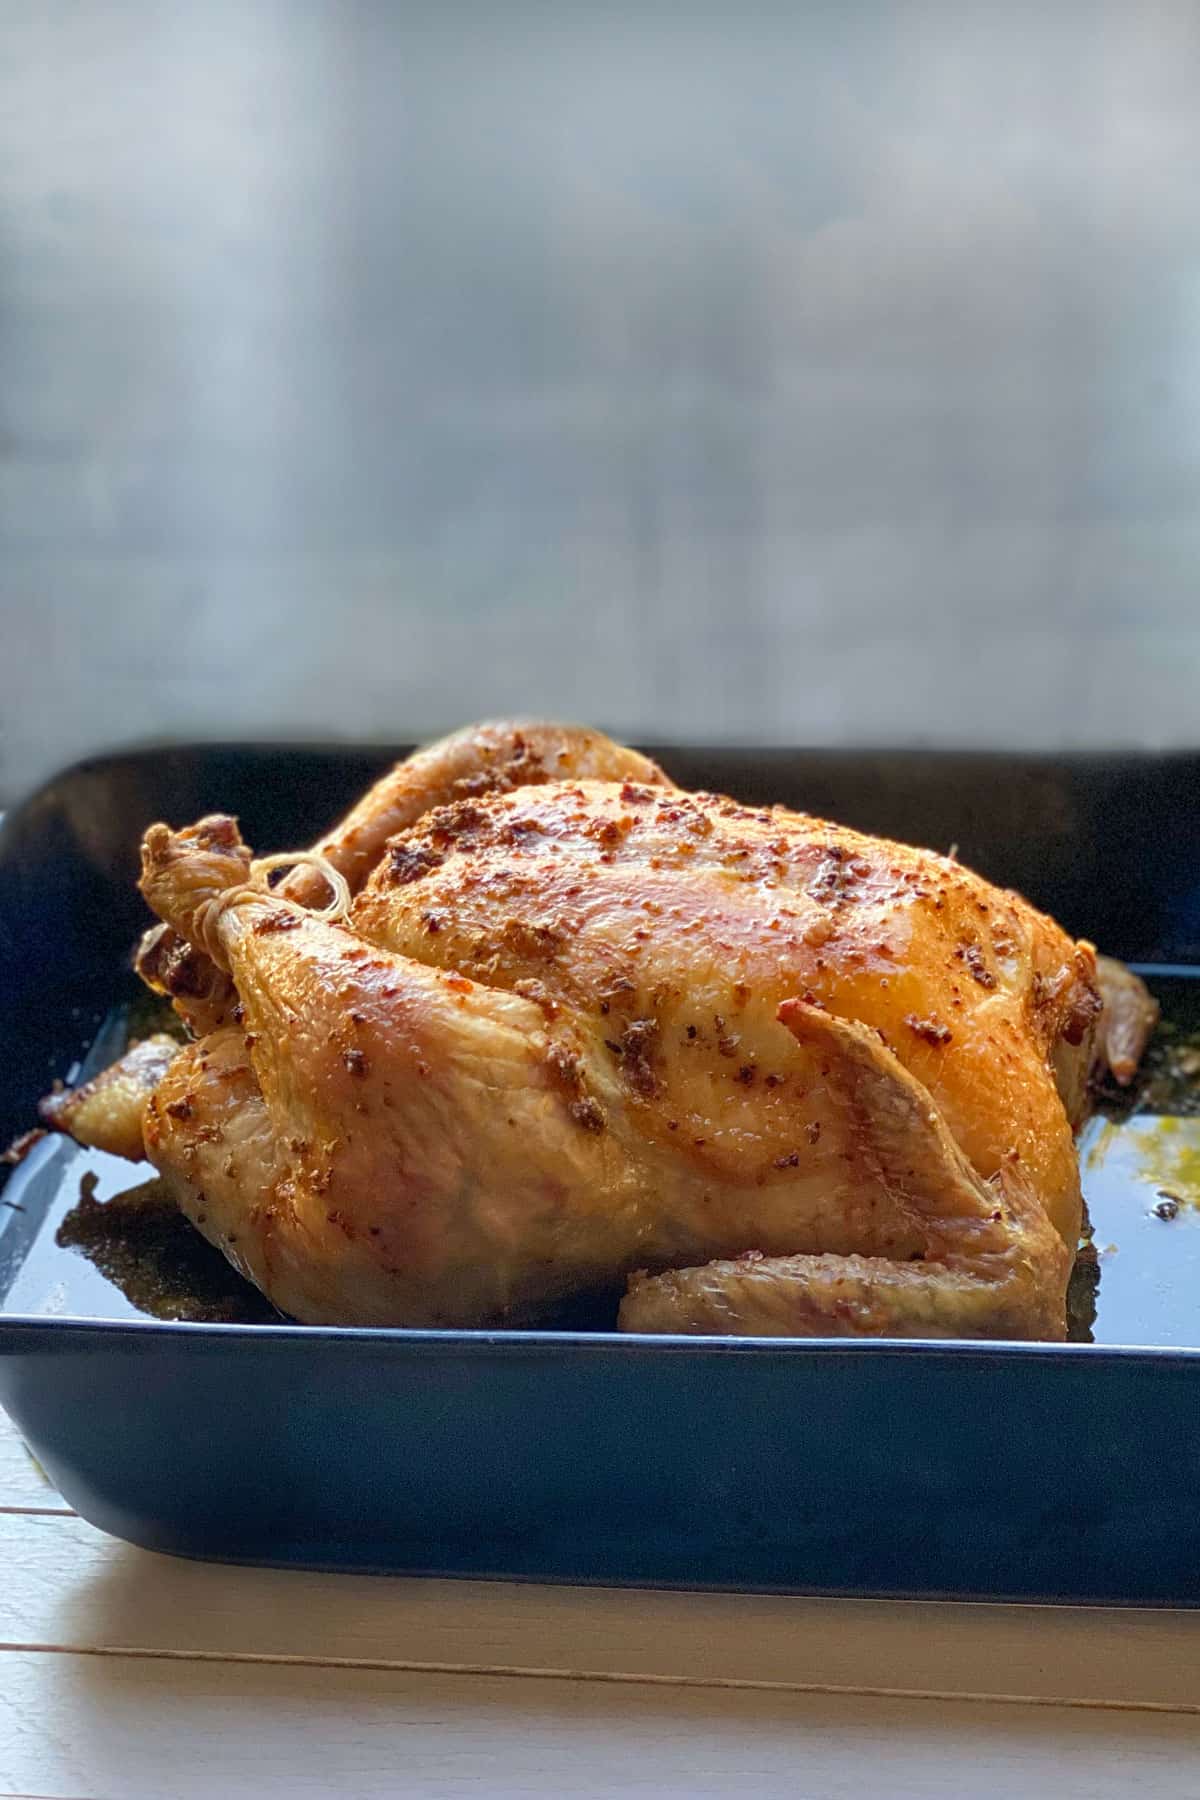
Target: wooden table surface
[130,1676]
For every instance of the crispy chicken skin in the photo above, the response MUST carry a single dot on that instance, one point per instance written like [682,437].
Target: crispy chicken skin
[787,1078]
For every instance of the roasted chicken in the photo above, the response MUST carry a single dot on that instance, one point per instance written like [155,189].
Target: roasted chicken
[534,1023]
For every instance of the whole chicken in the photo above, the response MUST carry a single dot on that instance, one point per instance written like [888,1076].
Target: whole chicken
[538,1024]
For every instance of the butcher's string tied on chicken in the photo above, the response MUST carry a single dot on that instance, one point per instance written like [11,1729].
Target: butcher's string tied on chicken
[208,915]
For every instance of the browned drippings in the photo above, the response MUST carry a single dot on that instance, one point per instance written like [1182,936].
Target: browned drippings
[141,1242]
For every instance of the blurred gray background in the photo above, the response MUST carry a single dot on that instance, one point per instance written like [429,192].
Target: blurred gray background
[809,373]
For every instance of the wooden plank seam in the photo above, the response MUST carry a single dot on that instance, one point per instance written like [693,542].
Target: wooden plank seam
[610,1677]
